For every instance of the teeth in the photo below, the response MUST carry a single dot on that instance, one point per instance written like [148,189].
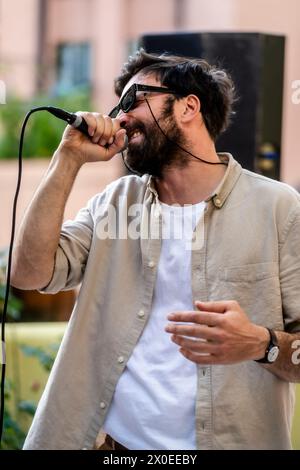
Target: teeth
[135,134]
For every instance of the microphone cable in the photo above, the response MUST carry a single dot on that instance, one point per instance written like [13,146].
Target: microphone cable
[79,123]
[8,270]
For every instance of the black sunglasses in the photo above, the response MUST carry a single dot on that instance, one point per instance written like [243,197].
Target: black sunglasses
[127,101]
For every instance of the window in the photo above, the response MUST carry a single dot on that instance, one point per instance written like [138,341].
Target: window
[73,67]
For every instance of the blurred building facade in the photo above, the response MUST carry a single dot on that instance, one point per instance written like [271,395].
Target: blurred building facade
[61,45]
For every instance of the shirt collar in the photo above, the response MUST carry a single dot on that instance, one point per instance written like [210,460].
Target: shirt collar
[220,194]
[228,181]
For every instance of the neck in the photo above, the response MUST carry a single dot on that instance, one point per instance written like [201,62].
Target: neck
[193,183]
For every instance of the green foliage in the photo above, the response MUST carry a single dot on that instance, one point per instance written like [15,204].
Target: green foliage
[13,435]
[43,131]
[45,356]
[28,407]
[14,305]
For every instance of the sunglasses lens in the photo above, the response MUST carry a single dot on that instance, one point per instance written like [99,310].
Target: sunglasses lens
[125,104]
[128,101]
[114,112]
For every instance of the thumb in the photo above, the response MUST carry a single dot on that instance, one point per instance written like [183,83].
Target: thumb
[213,306]
[120,142]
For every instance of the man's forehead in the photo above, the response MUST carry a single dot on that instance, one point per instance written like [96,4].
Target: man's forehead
[141,79]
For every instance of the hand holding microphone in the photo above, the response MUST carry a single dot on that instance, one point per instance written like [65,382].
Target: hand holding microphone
[105,136]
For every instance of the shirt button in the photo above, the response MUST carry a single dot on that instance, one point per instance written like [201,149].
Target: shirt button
[141,314]
[102,405]
[151,264]
[120,359]
[218,202]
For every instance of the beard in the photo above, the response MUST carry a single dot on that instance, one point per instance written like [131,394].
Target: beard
[155,153]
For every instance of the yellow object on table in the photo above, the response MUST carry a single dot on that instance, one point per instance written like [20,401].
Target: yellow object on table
[25,373]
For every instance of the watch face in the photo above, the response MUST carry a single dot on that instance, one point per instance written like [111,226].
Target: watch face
[273,354]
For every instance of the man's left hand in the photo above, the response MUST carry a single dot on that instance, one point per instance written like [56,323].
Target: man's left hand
[217,333]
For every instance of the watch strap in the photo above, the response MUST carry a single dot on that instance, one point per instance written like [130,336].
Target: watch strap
[273,342]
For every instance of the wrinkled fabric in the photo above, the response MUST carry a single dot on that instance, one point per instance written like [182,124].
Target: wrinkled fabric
[250,253]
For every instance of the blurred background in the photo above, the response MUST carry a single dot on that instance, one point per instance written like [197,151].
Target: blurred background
[67,53]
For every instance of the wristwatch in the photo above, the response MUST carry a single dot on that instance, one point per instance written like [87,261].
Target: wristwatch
[272,350]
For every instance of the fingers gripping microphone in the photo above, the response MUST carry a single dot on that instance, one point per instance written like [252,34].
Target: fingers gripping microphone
[71,118]
[75,120]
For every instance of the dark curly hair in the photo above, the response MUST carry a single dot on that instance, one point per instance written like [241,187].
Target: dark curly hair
[213,86]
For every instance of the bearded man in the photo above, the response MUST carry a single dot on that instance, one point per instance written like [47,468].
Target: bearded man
[184,330]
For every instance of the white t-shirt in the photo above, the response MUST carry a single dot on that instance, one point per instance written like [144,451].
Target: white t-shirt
[154,402]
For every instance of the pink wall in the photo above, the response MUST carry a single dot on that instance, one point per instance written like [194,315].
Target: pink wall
[212,15]
[69,20]
[150,16]
[110,30]
[18,45]
[92,179]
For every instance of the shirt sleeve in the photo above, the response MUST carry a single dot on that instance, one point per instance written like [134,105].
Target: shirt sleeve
[290,272]
[72,252]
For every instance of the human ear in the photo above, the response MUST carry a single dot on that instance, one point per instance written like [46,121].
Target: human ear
[191,108]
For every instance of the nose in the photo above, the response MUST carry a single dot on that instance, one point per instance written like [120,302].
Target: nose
[123,118]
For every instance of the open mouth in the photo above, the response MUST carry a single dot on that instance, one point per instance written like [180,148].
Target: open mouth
[134,134]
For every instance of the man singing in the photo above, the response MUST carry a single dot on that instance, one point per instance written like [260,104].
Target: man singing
[185,329]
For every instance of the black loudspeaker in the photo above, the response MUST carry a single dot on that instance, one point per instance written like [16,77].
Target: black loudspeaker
[256,63]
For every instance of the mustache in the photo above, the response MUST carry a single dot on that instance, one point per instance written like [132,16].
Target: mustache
[133,127]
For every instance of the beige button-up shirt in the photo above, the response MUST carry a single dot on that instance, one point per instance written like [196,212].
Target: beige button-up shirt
[250,253]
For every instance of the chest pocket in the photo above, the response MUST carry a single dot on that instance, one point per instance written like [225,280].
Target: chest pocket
[249,273]
[257,289]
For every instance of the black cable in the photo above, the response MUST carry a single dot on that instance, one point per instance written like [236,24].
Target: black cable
[128,167]
[8,272]
[179,146]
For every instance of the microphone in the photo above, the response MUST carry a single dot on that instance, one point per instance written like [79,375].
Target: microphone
[76,121]
[71,118]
